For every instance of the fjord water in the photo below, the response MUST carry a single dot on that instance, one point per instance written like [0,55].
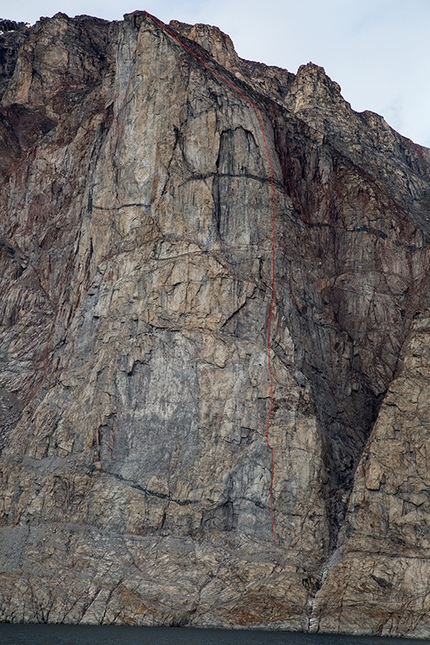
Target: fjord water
[112,635]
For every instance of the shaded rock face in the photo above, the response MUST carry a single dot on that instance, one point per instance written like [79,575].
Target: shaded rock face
[135,251]
[382,560]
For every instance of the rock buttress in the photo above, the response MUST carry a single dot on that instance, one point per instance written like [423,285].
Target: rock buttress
[136,255]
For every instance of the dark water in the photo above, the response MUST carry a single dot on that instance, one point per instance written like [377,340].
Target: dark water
[109,635]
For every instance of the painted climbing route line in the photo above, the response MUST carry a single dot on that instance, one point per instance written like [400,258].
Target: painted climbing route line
[273,252]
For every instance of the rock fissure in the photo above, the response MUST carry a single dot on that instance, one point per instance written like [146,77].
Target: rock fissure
[166,496]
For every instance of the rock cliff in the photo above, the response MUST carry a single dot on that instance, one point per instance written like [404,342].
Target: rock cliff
[140,165]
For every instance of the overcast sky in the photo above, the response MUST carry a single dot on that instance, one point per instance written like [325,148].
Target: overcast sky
[377,50]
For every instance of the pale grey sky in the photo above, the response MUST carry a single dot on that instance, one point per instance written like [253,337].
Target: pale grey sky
[377,50]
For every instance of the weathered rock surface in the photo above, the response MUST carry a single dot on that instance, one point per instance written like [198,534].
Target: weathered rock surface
[135,288]
[381,567]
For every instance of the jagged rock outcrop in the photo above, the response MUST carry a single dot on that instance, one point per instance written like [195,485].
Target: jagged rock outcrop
[135,245]
[380,568]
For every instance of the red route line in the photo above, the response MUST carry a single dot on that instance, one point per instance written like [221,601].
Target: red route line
[273,241]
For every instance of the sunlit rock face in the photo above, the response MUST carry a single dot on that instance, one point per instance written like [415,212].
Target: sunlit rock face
[135,251]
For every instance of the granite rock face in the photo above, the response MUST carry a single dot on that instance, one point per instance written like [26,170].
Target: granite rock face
[381,567]
[135,249]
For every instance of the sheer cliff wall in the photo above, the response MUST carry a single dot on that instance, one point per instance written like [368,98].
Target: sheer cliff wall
[135,286]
